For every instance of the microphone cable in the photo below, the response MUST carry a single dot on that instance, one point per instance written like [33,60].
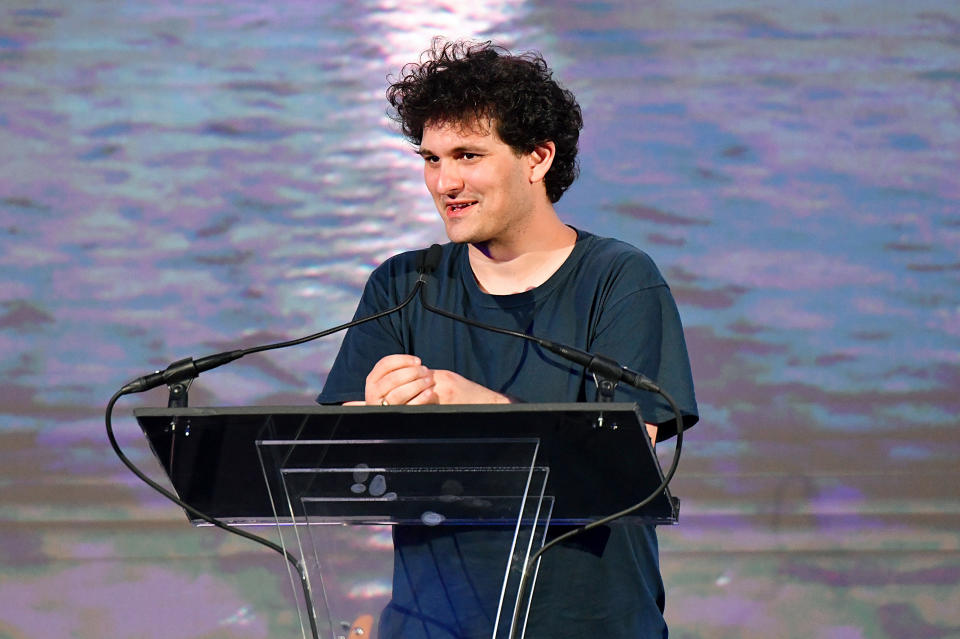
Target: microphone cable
[189,368]
[599,365]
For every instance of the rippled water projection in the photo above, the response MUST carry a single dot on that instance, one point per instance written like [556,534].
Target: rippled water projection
[180,178]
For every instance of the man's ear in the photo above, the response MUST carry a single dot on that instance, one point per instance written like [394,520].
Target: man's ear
[540,160]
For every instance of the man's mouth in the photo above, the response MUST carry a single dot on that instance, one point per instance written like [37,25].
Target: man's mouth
[458,207]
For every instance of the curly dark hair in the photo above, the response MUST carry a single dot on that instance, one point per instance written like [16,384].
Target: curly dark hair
[462,81]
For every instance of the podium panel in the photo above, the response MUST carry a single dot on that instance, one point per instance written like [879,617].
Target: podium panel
[322,485]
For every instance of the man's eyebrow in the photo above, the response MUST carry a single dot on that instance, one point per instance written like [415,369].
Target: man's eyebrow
[424,152]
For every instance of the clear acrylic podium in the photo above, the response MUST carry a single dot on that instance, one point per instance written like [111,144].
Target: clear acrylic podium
[337,480]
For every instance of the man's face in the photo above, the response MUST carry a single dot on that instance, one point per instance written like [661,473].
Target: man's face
[480,186]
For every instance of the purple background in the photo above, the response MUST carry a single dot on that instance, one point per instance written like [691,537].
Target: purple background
[179,178]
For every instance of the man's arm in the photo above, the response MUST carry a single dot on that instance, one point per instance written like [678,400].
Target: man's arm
[403,379]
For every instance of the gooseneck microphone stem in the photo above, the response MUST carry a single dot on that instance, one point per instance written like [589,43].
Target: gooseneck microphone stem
[182,372]
[599,365]
[186,369]
[603,368]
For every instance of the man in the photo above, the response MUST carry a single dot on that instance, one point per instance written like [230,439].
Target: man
[498,137]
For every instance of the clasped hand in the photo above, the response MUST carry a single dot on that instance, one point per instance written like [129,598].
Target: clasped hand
[403,379]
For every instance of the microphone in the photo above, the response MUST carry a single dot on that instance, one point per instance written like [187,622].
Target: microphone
[427,261]
[604,368]
[187,369]
[184,369]
[600,365]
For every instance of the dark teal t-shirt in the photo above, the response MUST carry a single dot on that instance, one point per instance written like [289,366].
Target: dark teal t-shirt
[608,298]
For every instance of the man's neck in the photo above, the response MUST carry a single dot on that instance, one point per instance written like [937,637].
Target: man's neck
[525,263]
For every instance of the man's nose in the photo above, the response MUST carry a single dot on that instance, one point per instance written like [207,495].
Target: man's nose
[448,178]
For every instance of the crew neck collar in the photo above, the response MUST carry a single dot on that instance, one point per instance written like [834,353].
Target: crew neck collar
[526,297]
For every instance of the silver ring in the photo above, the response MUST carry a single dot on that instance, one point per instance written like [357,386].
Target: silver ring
[384,402]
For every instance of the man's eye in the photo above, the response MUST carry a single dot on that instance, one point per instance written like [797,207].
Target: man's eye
[470,156]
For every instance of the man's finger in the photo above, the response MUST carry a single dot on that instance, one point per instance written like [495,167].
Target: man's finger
[391,363]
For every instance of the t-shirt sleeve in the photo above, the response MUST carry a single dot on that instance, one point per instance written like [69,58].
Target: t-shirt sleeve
[365,344]
[639,326]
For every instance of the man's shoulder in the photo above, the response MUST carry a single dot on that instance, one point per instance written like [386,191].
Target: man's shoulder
[618,256]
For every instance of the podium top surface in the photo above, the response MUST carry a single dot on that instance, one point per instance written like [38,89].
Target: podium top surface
[599,454]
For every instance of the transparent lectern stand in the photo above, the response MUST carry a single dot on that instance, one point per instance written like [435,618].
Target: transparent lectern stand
[347,469]
[349,492]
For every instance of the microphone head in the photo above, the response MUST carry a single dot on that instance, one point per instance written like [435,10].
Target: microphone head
[429,259]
